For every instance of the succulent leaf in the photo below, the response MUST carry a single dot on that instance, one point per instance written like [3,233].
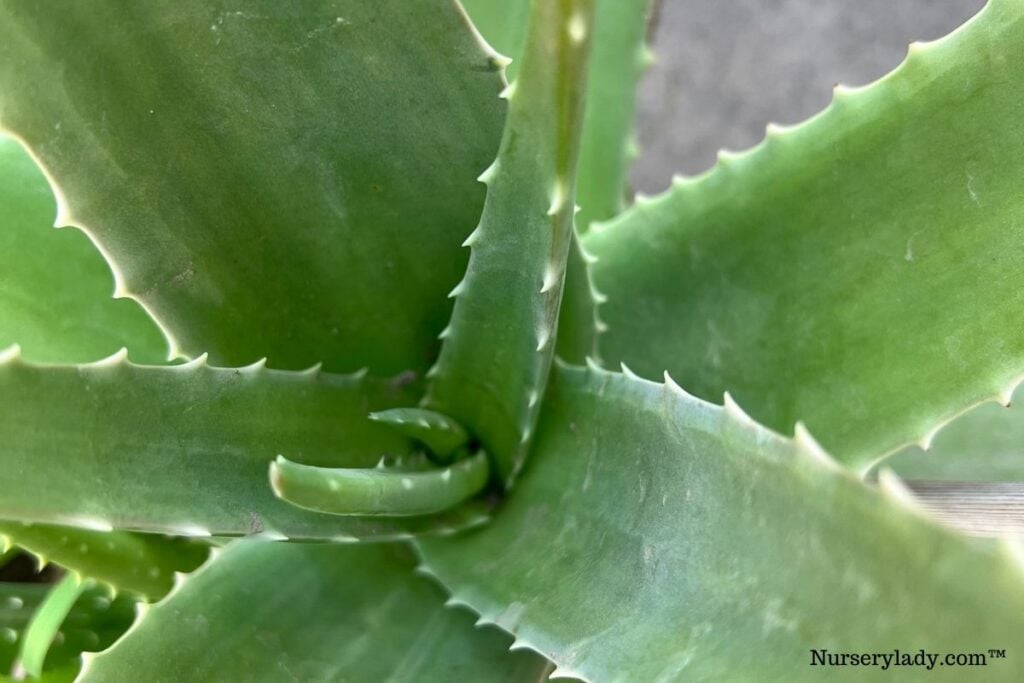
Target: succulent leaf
[140,564]
[619,57]
[499,344]
[857,271]
[184,450]
[645,506]
[47,620]
[443,436]
[378,491]
[93,623]
[311,612]
[205,145]
[54,286]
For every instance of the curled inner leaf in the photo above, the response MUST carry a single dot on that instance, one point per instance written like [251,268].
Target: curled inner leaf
[382,491]
[443,436]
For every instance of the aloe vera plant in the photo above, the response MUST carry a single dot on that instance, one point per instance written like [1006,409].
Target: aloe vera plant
[351,414]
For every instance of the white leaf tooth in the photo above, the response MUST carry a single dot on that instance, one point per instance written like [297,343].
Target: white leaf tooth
[774,129]
[893,488]
[503,61]
[809,446]
[41,561]
[532,398]
[488,174]
[552,277]
[424,571]
[1005,397]
[600,326]
[733,409]
[558,197]
[360,374]
[5,544]
[598,298]
[543,337]
[458,290]
[576,208]
[520,644]
[725,156]
[314,370]
[253,368]
[627,372]
[642,199]
[565,672]
[434,371]
[10,354]
[473,237]
[593,365]
[445,333]
[674,387]
[452,601]
[141,610]
[271,535]
[915,48]
[925,442]
[508,91]
[178,580]
[85,659]
[199,361]
[843,90]
[484,621]
[114,359]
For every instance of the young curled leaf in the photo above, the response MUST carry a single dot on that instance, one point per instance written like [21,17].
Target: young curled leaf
[379,491]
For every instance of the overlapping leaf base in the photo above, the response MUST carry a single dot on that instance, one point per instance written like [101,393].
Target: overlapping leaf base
[658,537]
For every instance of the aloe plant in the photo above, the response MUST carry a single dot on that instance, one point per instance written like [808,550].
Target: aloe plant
[353,415]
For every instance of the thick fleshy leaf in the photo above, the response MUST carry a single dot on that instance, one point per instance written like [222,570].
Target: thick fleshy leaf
[138,563]
[269,612]
[186,450]
[55,287]
[42,629]
[500,342]
[861,272]
[289,180]
[93,624]
[618,59]
[985,444]
[729,551]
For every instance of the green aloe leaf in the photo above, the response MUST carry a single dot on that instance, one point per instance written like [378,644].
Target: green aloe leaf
[500,342]
[92,624]
[55,288]
[185,450]
[268,612]
[618,60]
[203,145]
[379,491]
[861,271]
[141,564]
[42,629]
[729,551]
[985,444]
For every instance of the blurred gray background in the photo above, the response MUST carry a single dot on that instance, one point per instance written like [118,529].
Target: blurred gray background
[728,67]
